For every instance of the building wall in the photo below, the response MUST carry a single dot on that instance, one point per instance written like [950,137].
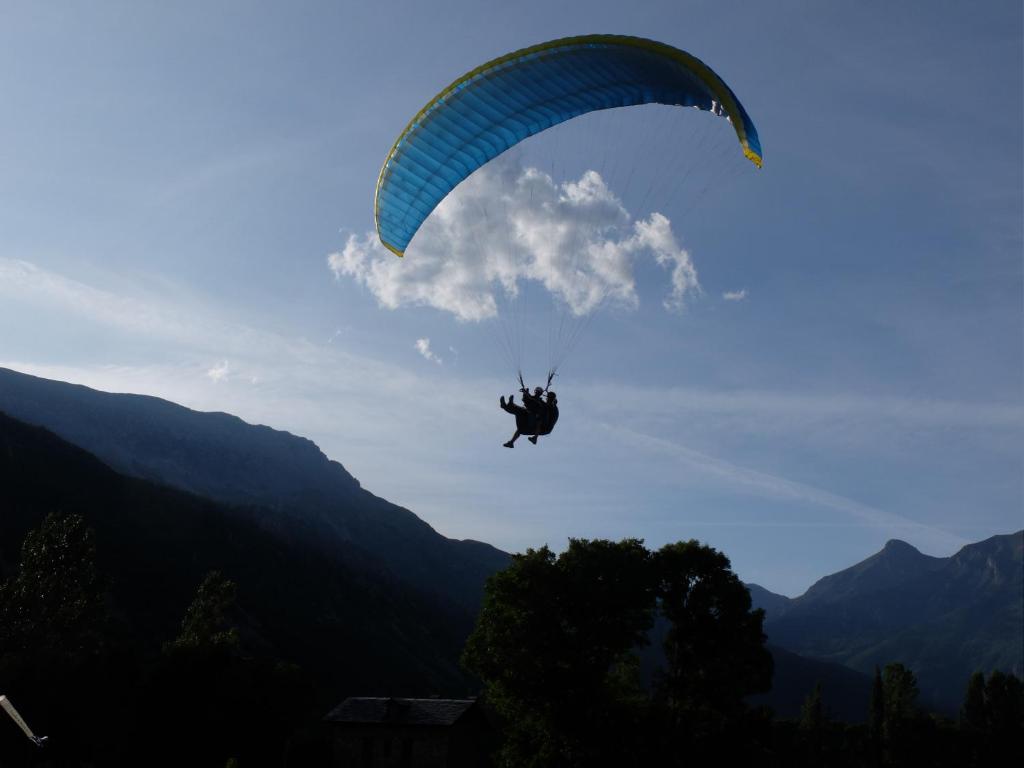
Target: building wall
[383,746]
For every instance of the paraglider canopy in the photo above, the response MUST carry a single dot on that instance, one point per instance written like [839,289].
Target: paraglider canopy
[503,102]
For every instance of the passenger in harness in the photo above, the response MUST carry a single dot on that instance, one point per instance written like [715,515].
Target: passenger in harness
[535,417]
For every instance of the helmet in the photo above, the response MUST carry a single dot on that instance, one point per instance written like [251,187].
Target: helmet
[538,391]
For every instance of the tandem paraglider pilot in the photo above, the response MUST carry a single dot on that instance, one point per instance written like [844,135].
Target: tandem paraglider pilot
[535,417]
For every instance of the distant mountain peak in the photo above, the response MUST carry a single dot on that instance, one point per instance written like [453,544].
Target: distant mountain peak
[896,560]
[898,545]
[944,617]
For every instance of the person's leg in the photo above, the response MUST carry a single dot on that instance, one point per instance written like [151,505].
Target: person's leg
[538,427]
[512,443]
[511,407]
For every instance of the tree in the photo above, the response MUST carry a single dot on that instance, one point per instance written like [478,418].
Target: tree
[714,648]
[553,645]
[219,699]
[812,711]
[1004,703]
[55,603]
[973,718]
[54,630]
[812,724]
[972,712]
[1004,717]
[899,690]
[992,719]
[876,718]
[207,620]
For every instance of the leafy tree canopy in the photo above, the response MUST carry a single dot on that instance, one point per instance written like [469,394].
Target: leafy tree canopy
[207,621]
[55,602]
[556,639]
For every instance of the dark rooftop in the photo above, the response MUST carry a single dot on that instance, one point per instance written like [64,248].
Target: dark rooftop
[356,709]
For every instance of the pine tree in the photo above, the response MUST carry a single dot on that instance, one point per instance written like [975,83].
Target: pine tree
[973,718]
[972,712]
[207,620]
[812,724]
[1004,717]
[55,604]
[54,629]
[876,718]
[812,713]
[899,689]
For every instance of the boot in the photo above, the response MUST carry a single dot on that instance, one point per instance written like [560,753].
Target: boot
[532,439]
[509,444]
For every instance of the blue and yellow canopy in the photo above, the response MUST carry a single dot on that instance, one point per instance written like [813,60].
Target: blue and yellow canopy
[511,98]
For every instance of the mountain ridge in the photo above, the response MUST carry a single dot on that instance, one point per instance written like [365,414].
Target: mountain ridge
[943,617]
[283,479]
[353,631]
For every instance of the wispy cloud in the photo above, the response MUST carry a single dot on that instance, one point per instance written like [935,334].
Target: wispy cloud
[739,295]
[761,410]
[219,372]
[374,407]
[226,169]
[507,224]
[202,329]
[338,332]
[773,486]
[140,314]
[170,316]
[423,347]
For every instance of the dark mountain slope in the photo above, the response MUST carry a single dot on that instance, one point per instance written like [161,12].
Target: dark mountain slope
[896,563]
[943,617]
[351,631]
[283,482]
[845,692]
[773,605]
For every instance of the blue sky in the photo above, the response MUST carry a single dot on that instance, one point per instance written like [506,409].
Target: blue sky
[174,180]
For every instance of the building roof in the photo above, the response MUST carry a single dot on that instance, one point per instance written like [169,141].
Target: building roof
[391,711]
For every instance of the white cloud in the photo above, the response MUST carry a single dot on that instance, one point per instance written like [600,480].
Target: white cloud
[507,224]
[219,372]
[423,347]
[735,295]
